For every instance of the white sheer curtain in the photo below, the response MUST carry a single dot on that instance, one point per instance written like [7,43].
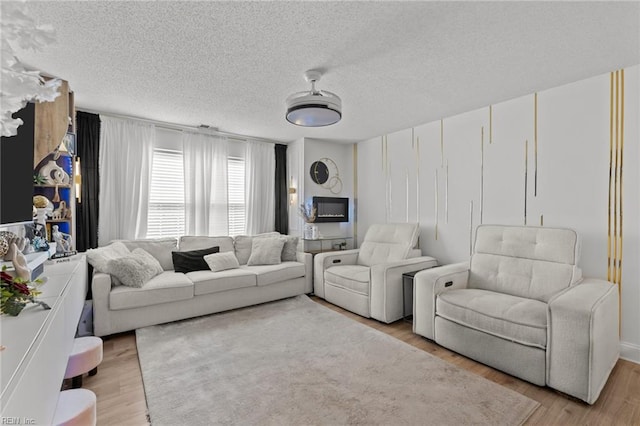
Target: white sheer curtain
[205,184]
[260,167]
[126,153]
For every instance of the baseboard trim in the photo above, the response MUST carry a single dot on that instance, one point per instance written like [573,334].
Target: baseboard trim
[630,352]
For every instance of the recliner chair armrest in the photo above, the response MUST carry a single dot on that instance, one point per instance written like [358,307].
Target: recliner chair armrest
[307,259]
[426,287]
[322,261]
[582,338]
[386,286]
[100,289]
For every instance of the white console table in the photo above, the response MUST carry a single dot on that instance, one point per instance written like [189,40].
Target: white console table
[37,344]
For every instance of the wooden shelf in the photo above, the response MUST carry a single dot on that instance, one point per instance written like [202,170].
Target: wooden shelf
[50,186]
[58,220]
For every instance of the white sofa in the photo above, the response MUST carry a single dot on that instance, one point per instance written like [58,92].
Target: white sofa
[522,306]
[172,296]
[368,280]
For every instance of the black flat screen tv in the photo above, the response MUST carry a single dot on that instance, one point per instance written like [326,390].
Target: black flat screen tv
[16,171]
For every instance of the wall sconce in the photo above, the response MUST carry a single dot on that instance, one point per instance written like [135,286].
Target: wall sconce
[77,179]
[292,192]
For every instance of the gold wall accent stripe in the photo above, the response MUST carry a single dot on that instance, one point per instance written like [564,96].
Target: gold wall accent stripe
[526,177]
[616,154]
[418,179]
[535,144]
[609,216]
[436,203]
[481,173]
[490,123]
[620,191]
[355,195]
[407,195]
[446,192]
[441,143]
[470,227]
[387,177]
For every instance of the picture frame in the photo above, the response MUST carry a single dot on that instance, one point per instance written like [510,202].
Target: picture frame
[70,143]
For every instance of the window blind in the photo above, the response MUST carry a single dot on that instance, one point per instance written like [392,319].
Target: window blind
[235,195]
[166,195]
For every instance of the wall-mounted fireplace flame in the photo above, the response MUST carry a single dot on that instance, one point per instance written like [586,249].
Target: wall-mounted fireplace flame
[331,209]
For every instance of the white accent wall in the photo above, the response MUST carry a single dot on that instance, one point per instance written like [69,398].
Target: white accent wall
[573,125]
[301,154]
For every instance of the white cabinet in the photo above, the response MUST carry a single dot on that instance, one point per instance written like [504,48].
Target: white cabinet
[38,342]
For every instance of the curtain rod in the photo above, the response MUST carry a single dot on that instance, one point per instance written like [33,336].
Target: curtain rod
[175,126]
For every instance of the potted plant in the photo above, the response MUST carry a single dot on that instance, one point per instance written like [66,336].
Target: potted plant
[16,293]
[308,212]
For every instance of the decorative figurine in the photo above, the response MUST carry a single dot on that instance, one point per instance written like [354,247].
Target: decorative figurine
[63,241]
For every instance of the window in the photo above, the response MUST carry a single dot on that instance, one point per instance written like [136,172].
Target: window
[166,195]
[235,195]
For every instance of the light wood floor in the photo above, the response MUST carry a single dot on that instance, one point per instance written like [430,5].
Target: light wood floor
[121,401]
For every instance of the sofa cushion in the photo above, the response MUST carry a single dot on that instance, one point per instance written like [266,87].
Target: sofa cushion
[206,282]
[222,261]
[190,242]
[352,277]
[167,287]
[512,318]
[290,248]
[189,261]
[243,243]
[266,251]
[160,248]
[269,274]
[533,279]
[546,244]
[100,257]
[388,242]
[135,269]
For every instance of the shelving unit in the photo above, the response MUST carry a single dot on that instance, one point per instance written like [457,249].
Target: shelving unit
[53,122]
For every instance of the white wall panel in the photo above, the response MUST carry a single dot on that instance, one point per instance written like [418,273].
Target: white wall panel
[572,178]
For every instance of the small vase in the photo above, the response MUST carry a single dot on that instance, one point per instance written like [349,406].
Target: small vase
[308,231]
[13,307]
[314,232]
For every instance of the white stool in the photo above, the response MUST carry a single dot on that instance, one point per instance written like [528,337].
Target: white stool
[85,357]
[76,407]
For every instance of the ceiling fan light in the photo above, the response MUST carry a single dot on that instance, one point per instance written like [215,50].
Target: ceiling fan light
[314,114]
[314,108]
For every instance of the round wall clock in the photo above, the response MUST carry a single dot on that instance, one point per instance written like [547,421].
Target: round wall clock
[319,172]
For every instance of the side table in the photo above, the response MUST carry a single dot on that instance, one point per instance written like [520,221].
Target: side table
[407,295]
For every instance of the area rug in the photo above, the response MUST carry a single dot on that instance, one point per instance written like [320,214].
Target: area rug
[295,362]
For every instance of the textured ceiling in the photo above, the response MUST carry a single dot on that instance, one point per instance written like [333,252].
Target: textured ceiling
[395,65]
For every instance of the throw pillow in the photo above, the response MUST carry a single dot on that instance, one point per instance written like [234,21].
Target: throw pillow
[188,261]
[290,249]
[135,269]
[160,248]
[100,257]
[222,261]
[242,245]
[266,251]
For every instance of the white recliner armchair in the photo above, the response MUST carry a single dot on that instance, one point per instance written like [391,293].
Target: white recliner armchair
[522,306]
[368,280]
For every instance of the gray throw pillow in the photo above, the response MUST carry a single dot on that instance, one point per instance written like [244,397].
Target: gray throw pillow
[266,251]
[160,248]
[222,261]
[135,269]
[100,257]
[290,249]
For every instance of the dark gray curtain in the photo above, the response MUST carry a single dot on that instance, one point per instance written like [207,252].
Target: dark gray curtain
[282,190]
[87,211]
